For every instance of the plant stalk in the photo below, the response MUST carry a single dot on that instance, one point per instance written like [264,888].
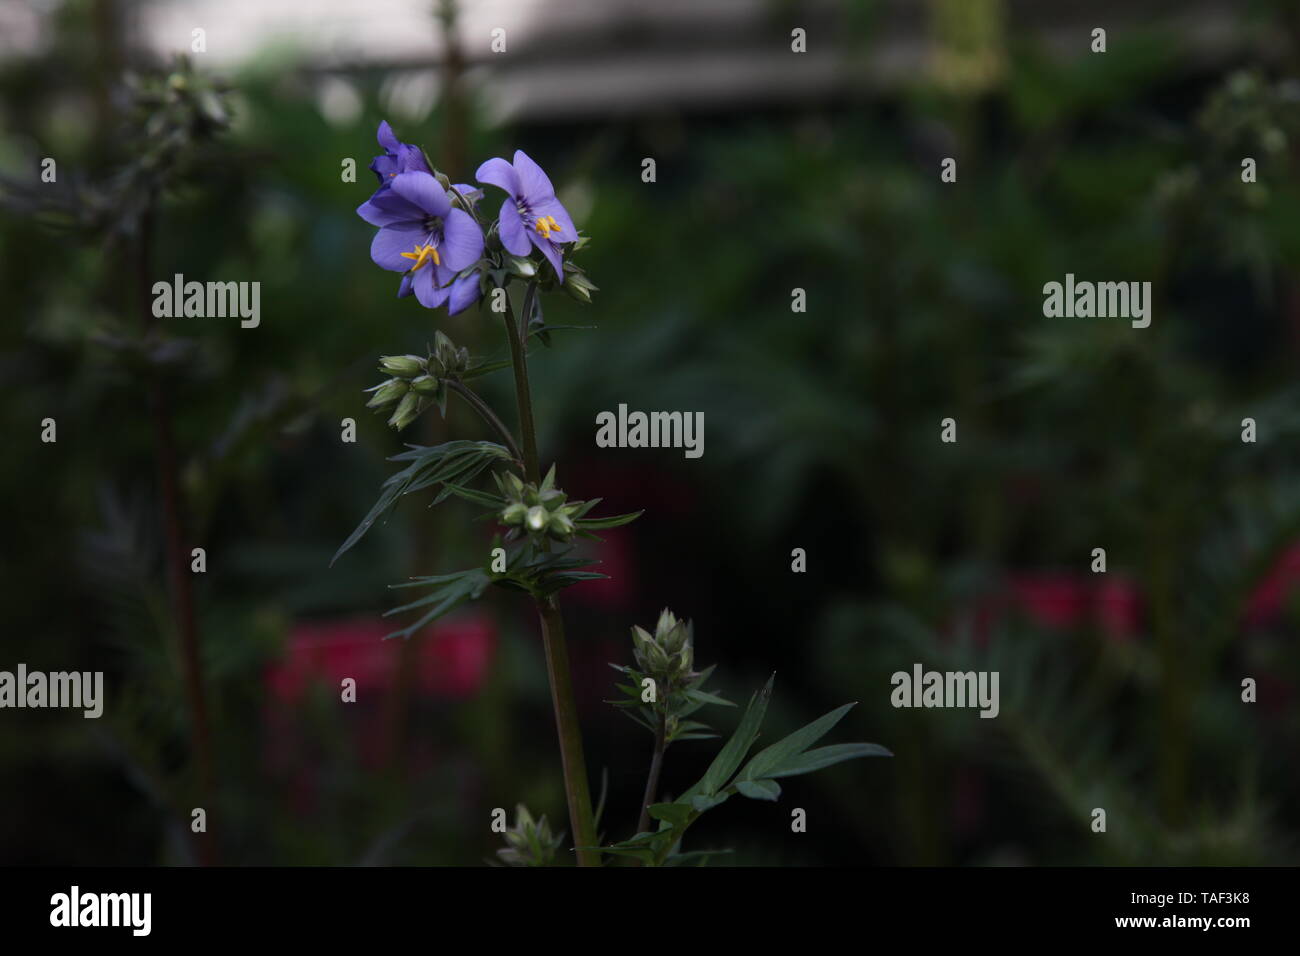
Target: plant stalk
[572,762]
[652,780]
[177,559]
[485,412]
[523,395]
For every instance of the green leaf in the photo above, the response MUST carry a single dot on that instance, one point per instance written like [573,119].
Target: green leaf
[484,369]
[642,839]
[702,803]
[733,752]
[596,524]
[826,757]
[704,697]
[643,854]
[675,814]
[449,593]
[759,789]
[495,502]
[455,462]
[787,748]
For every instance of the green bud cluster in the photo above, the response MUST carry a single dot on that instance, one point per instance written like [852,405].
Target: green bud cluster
[407,393]
[669,654]
[539,511]
[447,360]
[529,842]
[417,382]
[576,283]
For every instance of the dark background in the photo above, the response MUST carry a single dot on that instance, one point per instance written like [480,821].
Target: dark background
[775,170]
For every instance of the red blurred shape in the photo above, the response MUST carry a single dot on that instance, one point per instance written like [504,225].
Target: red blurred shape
[452,657]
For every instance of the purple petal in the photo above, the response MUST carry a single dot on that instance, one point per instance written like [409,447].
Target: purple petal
[411,159]
[462,241]
[404,289]
[464,293]
[550,250]
[389,244]
[551,207]
[423,190]
[385,168]
[426,289]
[387,138]
[534,183]
[497,172]
[513,234]
[386,208]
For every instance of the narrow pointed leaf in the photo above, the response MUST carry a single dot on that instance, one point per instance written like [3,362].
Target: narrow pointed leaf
[789,747]
[825,757]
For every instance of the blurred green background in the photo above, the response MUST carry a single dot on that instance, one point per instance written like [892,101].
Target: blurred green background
[775,171]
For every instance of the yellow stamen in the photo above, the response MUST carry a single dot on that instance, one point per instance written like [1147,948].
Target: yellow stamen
[547,225]
[421,255]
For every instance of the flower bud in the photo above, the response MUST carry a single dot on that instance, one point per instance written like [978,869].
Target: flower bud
[656,659]
[536,518]
[683,662]
[529,842]
[514,486]
[514,513]
[387,393]
[408,409]
[403,366]
[576,290]
[520,266]
[669,655]
[561,525]
[667,621]
[425,384]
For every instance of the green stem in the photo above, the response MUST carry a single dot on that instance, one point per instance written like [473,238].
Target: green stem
[523,395]
[485,412]
[567,729]
[652,780]
[572,761]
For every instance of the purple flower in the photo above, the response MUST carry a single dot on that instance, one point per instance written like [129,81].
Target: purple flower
[421,235]
[531,214]
[397,158]
[463,293]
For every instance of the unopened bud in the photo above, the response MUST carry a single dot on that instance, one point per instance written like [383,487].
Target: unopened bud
[536,518]
[403,366]
[407,411]
[561,525]
[576,290]
[387,393]
[425,384]
[521,266]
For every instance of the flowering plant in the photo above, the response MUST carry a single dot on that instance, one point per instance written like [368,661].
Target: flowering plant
[452,254]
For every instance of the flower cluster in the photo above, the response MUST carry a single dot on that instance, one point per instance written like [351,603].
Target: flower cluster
[530,841]
[669,654]
[431,231]
[540,511]
[417,382]
[663,688]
